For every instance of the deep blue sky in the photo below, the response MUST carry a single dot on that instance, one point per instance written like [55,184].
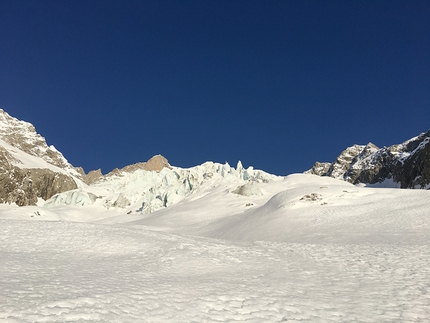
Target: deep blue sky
[275,84]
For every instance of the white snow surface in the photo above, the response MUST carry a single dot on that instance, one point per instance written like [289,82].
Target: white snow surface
[307,249]
[23,160]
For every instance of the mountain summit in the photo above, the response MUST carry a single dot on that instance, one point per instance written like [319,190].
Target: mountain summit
[29,168]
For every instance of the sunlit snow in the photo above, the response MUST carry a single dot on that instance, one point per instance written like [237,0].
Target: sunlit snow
[307,249]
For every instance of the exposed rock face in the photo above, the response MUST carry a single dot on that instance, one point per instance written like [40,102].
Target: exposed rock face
[343,162]
[92,176]
[30,169]
[155,163]
[23,153]
[319,169]
[414,171]
[25,186]
[407,164]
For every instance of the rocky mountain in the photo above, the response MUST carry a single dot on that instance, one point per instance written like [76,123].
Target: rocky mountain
[29,168]
[405,165]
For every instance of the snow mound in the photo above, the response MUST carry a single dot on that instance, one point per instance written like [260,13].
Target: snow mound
[248,189]
[329,211]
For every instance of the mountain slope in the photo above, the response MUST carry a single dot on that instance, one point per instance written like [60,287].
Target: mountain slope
[29,168]
[406,165]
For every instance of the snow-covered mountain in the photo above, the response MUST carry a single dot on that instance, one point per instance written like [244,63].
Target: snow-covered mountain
[29,168]
[32,170]
[405,165]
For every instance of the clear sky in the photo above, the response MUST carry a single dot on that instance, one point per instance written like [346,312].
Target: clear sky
[275,84]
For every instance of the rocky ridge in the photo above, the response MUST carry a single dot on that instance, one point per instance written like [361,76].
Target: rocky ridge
[29,168]
[23,136]
[155,163]
[405,165]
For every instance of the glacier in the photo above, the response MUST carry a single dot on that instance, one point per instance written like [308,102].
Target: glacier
[143,191]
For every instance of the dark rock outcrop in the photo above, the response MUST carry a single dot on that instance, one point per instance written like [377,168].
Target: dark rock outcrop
[407,164]
[414,171]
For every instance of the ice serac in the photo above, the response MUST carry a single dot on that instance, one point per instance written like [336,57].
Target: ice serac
[29,168]
[139,190]
[405,165]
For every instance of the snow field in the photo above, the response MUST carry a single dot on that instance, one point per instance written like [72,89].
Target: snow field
[309,249]
[71,272]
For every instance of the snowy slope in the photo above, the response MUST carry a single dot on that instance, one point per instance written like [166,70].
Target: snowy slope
[29,148]
[22,159]
[305,249]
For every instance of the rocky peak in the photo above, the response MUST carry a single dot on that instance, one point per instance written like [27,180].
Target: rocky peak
[29,169]
[338,168]
[23,135]
[407,164]
[156,163]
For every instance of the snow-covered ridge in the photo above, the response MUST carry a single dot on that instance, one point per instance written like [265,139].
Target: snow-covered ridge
[31,170]
[145,191]
[22,159]
[29,148]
